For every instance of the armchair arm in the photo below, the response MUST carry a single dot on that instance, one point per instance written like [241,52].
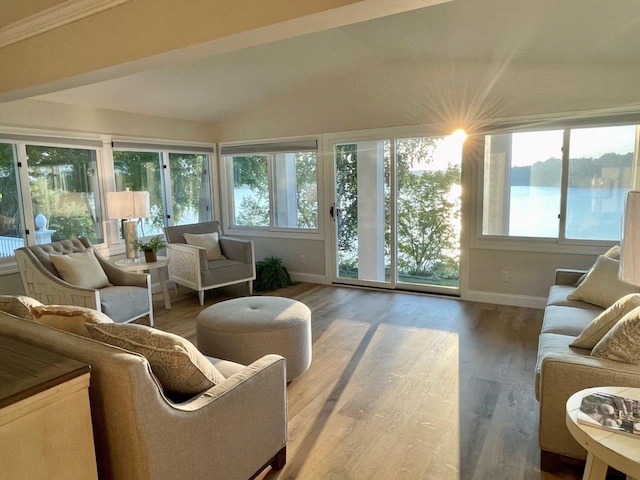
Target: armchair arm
[120,277]
[243,421]
[567,276]
[42,285]
[561,376]
[237,249]
[186,263]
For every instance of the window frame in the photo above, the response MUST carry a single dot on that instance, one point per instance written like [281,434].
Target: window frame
[559,244]
[227,191]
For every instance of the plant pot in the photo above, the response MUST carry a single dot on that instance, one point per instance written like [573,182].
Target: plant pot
[150,256]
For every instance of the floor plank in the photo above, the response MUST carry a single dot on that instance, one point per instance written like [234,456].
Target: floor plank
[405,386]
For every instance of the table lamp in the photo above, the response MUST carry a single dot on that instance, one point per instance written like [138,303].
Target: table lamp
[630,241]
[126,206]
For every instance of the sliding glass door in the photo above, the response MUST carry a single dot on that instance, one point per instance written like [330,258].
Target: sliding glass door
[397,212]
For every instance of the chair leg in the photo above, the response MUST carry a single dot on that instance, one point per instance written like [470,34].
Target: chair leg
[250,285]
[201,297]
[151,317]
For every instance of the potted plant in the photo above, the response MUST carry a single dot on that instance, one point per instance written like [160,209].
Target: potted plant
[271,274]
[150,247]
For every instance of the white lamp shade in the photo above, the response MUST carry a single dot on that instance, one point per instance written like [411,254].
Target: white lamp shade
[127,205]
[630,241]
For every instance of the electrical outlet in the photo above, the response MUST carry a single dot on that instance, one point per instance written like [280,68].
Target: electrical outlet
[504,276]
[302,260]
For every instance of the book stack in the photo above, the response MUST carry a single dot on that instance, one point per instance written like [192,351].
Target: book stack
[611,412]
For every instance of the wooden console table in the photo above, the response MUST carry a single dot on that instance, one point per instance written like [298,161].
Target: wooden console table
[45,418]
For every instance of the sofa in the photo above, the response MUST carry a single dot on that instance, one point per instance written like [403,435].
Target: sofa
[563,369]
[230,431]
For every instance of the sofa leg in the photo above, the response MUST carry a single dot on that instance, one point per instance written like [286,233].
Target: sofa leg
[280,459]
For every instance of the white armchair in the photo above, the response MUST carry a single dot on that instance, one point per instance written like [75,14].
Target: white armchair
[127,298]
[189,266]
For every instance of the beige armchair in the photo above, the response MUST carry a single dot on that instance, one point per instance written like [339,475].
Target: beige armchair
[126,299]
[189,266]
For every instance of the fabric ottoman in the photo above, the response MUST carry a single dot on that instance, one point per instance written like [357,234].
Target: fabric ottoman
[245,329]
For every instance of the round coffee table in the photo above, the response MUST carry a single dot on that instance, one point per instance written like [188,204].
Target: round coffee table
[604,448]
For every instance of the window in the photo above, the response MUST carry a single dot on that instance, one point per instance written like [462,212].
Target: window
[190,188]
[273,185]
[566,184]
[11,230]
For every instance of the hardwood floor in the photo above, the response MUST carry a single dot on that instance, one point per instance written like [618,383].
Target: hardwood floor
[405,386]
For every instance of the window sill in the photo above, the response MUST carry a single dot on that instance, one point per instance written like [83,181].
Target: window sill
[273,233]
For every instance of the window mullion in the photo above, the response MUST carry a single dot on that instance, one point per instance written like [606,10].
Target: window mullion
[564,188]
[272,196]
[167,190]
[24,192]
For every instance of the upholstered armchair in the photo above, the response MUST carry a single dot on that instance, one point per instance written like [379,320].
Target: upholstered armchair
[197,263]
[124,297]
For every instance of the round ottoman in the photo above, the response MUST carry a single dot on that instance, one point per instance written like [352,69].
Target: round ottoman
[244,329]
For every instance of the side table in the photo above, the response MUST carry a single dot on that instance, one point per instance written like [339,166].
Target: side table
[143,266]
[45,417]
[604,448]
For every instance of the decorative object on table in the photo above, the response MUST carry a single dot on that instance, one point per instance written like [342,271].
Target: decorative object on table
[630,241]
[126,206]
[150,247]
[271,274]
[610,412]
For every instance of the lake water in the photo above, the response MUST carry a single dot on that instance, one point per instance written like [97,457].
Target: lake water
[592,214]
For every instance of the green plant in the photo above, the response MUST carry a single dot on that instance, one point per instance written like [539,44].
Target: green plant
[152,245]
[271,274]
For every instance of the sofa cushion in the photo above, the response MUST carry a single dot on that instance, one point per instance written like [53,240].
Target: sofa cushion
[567,320]
[599,327]
[81,269]
[602,286]
[209,241]
[622,342]
[18,305]
[554,343]
[180,368]
[122,303]
[558,296]
[69,318]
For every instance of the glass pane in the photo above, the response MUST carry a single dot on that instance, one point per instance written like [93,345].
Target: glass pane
[522,181]
[600,175]
[190,188]
[11,231]
[296,190]
[428,172]
[141,171]
[364,232]
[64,191]
[250,191]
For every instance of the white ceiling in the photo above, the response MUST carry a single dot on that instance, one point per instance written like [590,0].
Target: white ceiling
[504,33]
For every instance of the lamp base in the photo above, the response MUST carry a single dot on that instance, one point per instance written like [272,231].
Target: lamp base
[130,231]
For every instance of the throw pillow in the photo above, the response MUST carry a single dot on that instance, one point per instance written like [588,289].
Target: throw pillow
[622,342]
[69,318]
[81,269]
[178,365]
[18,305]
[613,252]
[208,241]
[602,286]
[604,322]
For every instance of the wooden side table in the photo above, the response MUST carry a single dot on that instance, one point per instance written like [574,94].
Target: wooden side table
[143,266]
[604,448]
[45,418]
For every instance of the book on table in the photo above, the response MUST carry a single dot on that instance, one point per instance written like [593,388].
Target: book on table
[611,412]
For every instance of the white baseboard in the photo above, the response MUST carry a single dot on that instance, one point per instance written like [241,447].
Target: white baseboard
[505,299]
[309,278]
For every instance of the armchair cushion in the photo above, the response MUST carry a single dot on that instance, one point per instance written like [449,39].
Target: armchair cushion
[208,241]
[180,368]
[69,318]
[121,304]
[223,271]
[81,269]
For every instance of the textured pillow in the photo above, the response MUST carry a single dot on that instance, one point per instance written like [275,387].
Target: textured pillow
[208,241]
[604,322]
[601,286]
[18,305]
[622,342]
[180,368]
[69,318]
[81,269]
